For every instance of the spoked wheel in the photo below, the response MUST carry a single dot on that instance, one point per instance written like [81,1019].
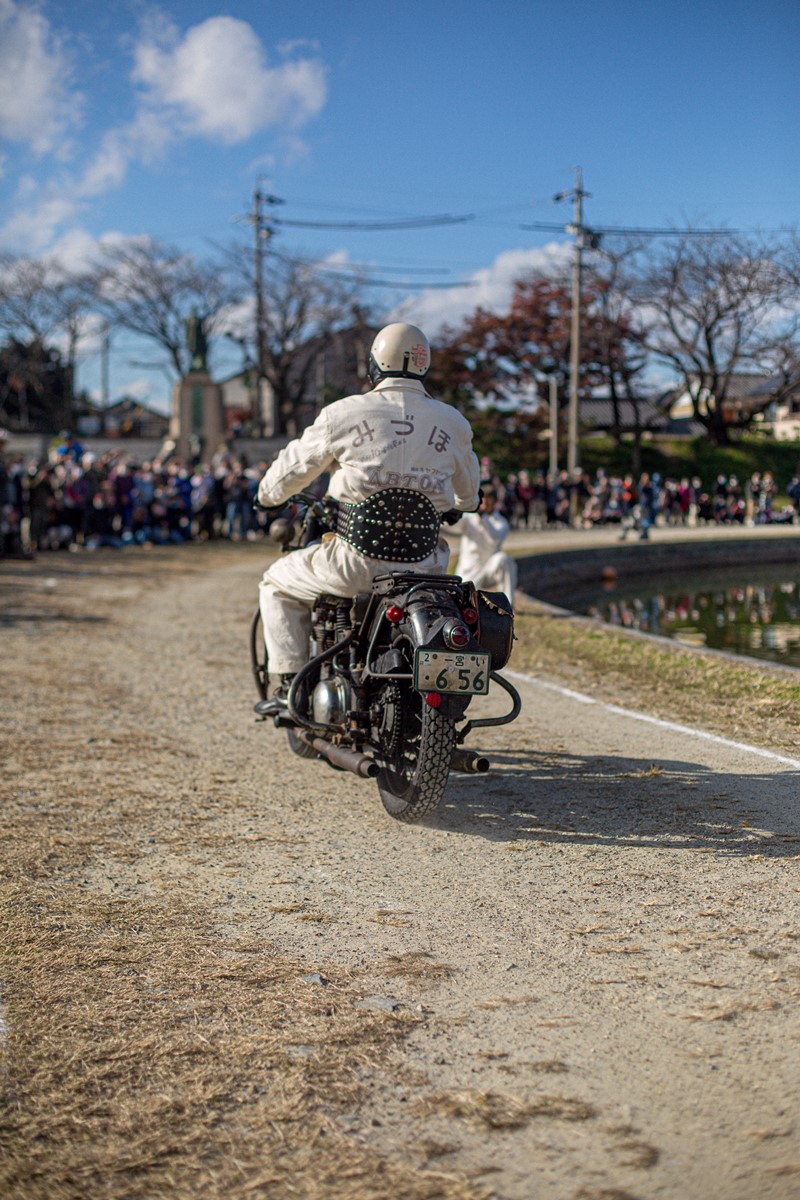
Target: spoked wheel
[417,743]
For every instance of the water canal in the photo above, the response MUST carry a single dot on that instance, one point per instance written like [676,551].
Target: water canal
[739,596]
[747,610]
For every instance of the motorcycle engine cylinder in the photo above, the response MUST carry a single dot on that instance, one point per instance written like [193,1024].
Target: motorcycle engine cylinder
[329,702]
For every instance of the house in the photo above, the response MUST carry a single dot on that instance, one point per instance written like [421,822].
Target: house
[125,418]
[335,365]
[762,398]
[324,368]
[781,417]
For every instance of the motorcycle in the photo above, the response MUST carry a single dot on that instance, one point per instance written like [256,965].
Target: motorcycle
[391,673]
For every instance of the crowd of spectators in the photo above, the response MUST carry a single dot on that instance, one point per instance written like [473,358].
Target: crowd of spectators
[75,500]
[577,499]
[72,499]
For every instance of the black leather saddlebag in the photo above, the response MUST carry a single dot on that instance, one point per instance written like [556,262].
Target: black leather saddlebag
[496,626]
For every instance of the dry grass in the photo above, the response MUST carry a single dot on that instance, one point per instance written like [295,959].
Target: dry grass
[417,965]
[500,1111]
[146,1053]
[735,699]
[148,1056]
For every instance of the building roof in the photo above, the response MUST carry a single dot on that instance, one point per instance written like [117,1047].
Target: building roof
[597,412]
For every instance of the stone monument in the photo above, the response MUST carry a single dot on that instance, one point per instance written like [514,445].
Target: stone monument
[198,417]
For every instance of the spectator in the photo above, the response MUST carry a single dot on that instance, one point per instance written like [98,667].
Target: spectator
[10,503]
[480,556]
[39,503]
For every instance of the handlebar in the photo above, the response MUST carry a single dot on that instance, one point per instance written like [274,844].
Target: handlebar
[310,499]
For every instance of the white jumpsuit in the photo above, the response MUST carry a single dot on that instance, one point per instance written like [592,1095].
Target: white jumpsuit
[480,557]
[393,436]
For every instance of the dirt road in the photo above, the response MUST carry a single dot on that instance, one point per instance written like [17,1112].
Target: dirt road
[597,943]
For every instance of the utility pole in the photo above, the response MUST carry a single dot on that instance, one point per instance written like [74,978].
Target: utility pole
[105,389]
[263,227]
[577,228]
[553,386]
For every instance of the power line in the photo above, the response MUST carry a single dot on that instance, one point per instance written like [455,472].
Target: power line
[405,223]
[553,227]
[411,284]
[356,267]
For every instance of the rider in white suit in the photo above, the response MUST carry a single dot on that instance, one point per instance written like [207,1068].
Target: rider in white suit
[480,558]
[395,436]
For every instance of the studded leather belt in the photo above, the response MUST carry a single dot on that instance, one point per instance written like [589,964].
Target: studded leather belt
[395,524]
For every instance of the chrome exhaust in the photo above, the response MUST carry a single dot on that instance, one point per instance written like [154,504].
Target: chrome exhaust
[348,760]
[469,761]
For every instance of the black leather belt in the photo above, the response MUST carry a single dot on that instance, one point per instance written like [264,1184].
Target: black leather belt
[395,524]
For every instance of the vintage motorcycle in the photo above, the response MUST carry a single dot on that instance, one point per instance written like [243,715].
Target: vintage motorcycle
[391,672]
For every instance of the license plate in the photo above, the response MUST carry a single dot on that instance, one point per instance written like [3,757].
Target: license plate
[448,671]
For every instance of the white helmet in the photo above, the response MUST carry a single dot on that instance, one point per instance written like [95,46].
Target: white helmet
[399,350]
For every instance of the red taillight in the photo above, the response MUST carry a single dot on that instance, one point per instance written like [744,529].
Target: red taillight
[457,636]
[395,614]
[434,699]
[470,615]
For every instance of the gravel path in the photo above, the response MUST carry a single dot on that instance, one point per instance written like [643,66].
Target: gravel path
[601,936]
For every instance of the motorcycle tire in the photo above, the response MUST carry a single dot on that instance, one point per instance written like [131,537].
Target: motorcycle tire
[417,744]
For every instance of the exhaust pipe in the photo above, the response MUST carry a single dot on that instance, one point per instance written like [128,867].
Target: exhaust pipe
[469,761]
[348,760]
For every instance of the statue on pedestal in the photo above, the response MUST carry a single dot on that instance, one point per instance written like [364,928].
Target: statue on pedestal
[196,342]
[198,416]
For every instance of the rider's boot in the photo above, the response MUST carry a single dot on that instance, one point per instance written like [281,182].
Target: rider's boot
[275,703]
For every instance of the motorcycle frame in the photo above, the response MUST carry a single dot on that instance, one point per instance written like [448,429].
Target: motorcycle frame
[389,587]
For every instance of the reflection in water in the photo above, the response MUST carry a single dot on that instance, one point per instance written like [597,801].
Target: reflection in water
[760,618]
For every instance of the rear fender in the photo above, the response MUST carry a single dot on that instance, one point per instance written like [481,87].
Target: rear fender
[428,613]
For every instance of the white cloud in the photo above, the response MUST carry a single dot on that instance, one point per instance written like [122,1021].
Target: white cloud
[143,140]
[491,288]
[216,82]
[213,82]
[33,226]
[36,106]
[77,250]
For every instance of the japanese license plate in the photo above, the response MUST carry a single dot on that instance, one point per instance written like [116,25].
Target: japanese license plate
[449,671]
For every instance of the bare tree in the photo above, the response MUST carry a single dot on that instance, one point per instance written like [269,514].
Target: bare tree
[303,309]
[715,307]
[621,336]
[152,289]
[43,309]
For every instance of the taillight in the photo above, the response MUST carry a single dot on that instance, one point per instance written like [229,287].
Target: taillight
[434,699]
[457,636]
[470,615]
[395,614]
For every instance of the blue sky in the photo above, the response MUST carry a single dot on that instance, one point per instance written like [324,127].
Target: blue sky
[130,118]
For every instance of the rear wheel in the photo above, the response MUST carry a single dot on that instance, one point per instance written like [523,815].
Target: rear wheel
[416,745]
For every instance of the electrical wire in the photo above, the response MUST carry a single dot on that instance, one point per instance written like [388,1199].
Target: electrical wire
[413,285]
[554,227]
[405,223]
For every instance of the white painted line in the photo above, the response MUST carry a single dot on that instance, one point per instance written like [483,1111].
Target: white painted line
[582,698]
